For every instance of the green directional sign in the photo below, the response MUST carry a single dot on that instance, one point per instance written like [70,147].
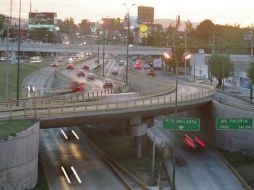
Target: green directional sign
[233,123]
[183,124]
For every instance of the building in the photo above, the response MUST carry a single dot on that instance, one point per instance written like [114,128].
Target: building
[199,65]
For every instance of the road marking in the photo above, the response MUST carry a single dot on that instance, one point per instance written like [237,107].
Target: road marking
[64,134]
[76,175]
[65,174]
[73,132]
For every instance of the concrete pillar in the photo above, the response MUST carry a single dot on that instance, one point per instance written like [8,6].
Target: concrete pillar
[137,129]
[153,160]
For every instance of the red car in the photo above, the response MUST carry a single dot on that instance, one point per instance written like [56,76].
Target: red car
[86,67]
[76,86]
[115,71]
[138,66]
[70,66]
[194,142]
[81,73]
[151,72]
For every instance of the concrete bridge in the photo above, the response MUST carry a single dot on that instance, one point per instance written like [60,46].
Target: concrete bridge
[75,48]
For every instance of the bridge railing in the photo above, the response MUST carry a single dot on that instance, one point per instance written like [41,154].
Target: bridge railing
[34,110]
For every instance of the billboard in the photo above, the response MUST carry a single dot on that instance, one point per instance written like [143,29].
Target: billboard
[145,14]
[245,83]
[42,20]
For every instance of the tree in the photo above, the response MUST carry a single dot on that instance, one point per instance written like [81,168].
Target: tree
[85,27]
[68,26]
[221,67]
[250,72]
[231,38]
[42,34]
[205,29]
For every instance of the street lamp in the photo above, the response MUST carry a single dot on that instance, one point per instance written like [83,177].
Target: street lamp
[17,100]
[175,59]
[168,56]
[187,55]
[103,49]
[127,41]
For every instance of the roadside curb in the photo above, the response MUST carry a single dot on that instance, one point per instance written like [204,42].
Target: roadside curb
[245,184]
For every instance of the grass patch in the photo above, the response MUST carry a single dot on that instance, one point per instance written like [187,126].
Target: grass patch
[42,183]
[244,165]
[122,149]
[11,127]
[25,70]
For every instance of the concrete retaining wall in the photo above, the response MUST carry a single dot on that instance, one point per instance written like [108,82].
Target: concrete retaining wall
[231,140]
[19,160]
[234,140]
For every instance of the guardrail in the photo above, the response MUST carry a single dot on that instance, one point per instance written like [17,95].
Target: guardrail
[35,109]
[234,105]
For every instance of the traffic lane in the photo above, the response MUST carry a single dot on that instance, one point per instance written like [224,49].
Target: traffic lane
[39,78]
[231,98]
[56,151]
[195,169]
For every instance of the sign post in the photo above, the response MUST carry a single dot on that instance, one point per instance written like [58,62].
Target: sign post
[182,124]
[233,123]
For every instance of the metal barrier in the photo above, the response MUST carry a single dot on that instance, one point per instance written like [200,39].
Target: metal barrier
[35,109]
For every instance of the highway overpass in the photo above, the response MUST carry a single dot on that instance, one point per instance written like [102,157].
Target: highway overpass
[75,48]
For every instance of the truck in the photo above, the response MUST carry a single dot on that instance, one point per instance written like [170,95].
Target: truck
[157,64]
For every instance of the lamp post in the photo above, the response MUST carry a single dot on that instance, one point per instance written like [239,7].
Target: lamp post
[168,56]
[175,59]
[98,43]
[103,52]
[187,55]
[127,41]
[17,99]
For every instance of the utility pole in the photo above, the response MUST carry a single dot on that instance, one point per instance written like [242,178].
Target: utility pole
[212,42]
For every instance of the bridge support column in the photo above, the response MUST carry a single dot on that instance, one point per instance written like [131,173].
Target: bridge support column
[137,129]
[13,57]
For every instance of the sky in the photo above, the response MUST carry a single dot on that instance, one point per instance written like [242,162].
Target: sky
[219,11]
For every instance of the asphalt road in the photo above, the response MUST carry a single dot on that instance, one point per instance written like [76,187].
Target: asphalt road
[195,170]
[57,152]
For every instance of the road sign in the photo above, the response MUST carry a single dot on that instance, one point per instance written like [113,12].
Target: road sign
[233,123]
[143,28]
[183,124]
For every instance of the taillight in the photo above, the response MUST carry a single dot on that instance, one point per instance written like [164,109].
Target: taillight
[189,142]
[201,143]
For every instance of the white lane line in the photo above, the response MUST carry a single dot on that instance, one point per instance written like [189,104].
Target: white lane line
[65,174]
[64,134]
[76,175]
[75,134]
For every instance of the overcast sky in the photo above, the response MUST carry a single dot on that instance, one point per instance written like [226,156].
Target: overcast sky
[219,11]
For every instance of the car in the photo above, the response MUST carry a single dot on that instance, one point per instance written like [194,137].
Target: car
[147,66]
[150,72]
[88,53]
[76,86]
[137,66]
[115,71]
[90,76]
[121,63]
[194,142]
[55,64]
[108,83]
[70,66]
[85,67]
[81,73]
